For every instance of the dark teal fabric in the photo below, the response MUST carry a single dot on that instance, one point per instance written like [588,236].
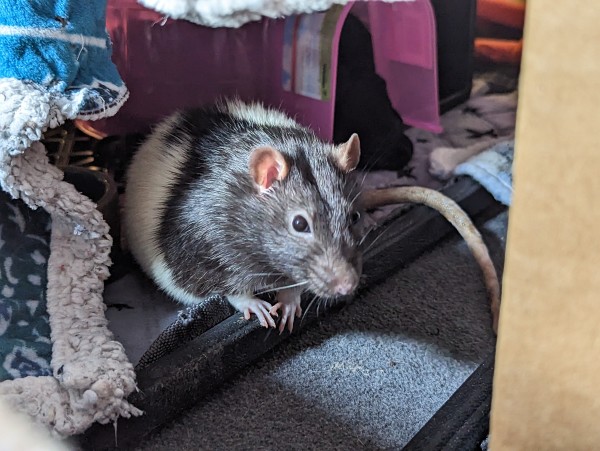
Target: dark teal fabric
[25,347]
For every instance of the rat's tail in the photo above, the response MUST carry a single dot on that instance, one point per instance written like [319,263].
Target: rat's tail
[457,217]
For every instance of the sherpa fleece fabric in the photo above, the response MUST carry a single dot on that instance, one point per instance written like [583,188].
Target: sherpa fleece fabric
[55,65]
[235,13]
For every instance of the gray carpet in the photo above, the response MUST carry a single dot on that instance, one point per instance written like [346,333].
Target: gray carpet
[366,377]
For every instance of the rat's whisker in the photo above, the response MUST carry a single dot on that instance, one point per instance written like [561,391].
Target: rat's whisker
[268,334]
[377,238]
[308,308]
[362,240]
[362,182]
[265,274]
[356,183]
[372,243]
[282,288]
[355,197]
[321,301]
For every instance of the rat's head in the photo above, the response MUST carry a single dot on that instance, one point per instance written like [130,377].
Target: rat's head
[309,212]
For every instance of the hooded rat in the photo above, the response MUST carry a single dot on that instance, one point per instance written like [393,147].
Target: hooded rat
[239,199]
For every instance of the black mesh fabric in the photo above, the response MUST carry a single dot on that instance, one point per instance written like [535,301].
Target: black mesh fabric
[191,323]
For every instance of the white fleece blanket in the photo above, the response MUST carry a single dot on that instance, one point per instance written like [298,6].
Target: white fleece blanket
[235,13]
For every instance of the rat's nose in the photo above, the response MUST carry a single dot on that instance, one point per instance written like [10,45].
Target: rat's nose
[344,284]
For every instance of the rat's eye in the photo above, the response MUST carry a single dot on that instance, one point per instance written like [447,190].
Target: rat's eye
[300,224]
[354,217]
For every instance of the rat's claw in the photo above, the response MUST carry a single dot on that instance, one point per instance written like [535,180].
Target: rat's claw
[288,311]
[261,310]
[248,305]
[262,318]
[288,301]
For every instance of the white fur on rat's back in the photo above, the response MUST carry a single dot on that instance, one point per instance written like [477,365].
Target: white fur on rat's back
[256,113]
[155,168]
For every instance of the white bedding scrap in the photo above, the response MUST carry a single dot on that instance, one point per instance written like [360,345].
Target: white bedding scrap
[235,13]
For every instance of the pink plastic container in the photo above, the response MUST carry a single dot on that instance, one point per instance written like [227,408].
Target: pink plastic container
[288,63]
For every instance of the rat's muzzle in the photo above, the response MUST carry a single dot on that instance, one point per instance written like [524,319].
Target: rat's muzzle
[344,285]
[340,281]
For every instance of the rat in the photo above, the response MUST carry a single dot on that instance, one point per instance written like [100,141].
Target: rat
[241,200]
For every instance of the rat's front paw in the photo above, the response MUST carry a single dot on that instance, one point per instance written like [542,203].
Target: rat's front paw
[249,304]
[288,312]
[288,301]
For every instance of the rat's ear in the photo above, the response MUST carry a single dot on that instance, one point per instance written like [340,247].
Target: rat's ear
[266,166]
[346,155]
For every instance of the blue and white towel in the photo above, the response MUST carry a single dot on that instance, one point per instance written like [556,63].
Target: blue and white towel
[54,65]
[493,170]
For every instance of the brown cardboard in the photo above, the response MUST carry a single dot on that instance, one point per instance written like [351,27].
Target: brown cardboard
[547,380]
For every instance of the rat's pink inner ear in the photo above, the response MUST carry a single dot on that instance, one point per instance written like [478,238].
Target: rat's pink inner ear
[266,166]
[346,155]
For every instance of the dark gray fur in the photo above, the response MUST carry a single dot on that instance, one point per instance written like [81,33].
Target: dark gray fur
[217,230]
